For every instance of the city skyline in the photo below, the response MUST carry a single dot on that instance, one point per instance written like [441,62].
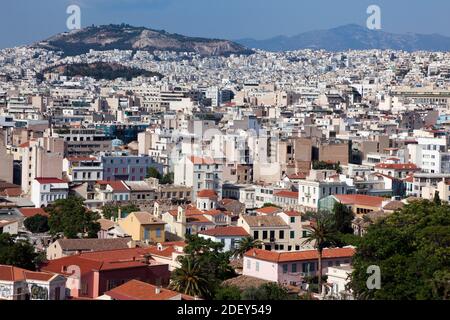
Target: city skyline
[206,19]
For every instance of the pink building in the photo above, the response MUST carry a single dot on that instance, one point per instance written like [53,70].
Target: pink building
[289,268]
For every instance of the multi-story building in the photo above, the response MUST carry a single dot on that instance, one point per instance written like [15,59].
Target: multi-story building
[83,169]
[45,191]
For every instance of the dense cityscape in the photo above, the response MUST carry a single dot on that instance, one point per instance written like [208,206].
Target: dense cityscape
[175,175]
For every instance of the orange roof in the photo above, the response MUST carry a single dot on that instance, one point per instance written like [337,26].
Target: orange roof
[292,213]
[138,290]
[225,231]
[268,210]
[207,194]
[360,199]
[397,166]
[291,256]
[118,185]
[286,194]
[200,218]
[11,273]
[31,212]
[200,160]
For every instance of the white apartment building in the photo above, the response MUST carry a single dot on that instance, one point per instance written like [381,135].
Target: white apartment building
[83,169]
[311,191]
[200,174]
[431,155]
[45,191]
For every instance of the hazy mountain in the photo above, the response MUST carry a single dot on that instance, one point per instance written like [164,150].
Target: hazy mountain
[126,37]
[351,37]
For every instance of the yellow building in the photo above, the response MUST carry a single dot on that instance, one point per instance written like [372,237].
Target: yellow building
[143,226]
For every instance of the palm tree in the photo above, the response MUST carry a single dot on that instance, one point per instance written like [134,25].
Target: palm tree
[244,245]
[322,234]
[190,278]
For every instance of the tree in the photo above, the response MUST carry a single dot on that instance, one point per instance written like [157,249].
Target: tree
[322,233]
[228,293]
[37,224]
[210,264]
[190,278]
[343,217]
[110,210]
[167,178]
[152,172]
[70,217]
[18,253]
[437,199]
[267,291]
[412,249]
[244,245]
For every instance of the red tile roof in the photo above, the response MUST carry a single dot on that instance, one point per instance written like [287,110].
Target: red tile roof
[360,199]
[207,194]
[225,231]
[286,194]
[49,180]
[118,186]
[290,256]
[200,160]
[268,210]
[397,166]
[292,213]
[31,212]
[11,273]
[138,290]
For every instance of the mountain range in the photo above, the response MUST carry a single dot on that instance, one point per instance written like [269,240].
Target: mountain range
[126,37]
[351,36]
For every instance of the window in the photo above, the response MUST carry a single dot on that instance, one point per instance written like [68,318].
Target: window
[158,233]
[294,267]
[255,234]
[84,289]
[285,268]
[292,234]
[257,266]
[292,219]
[249,264]
[264,234]
[281,234]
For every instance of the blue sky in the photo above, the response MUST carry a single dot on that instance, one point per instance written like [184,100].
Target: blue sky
[26,21]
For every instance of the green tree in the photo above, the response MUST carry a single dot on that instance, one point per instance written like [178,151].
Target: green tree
[267,291]
[228,293]
[412,249]
[343,217]
[244,245]
[70,217]
[110,210]
[207,258]
[321,233]
[167,178]
[18,253]
[37,224]
[190,278]
[152,172]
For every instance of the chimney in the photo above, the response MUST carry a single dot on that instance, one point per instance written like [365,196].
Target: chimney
[158,290]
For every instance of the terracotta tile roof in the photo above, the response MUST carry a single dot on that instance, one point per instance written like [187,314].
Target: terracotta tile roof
[147,218]
[49,180]
[93,244]
[138,290]
[394,205]
[31,212]
[11,273]
[106,224]
[397,166]
[200,218]
[291,256]
[225,231]
[265,221]
[206,194]
[268,210]
[11,192]
[360,199]
[6,222]
[200,160]
[286,194]
[117,186]
[292,213]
